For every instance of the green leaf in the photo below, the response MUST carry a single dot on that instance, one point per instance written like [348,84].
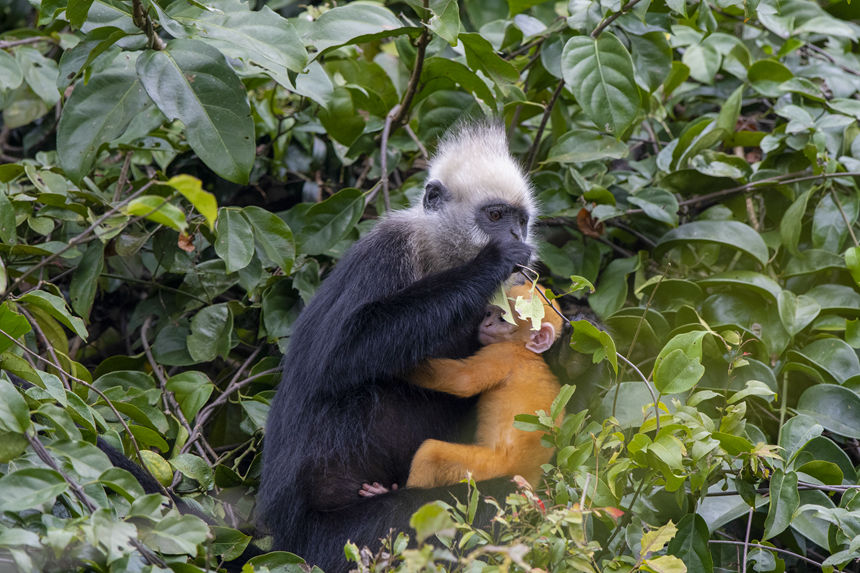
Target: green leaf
[703,61]
[443,69]
[835,407]
[480,55]
[262,37]
[852,261]
[430,519]
[690,544]
[790,225]
[98,112]
[837,298]
[657,203]
[652,59]
[12,324]
[7,220]
[77,12]
[753,388]
[191,188]
[14,413]
[677,373]
[340,119]
[445,21]
[726,233]
[581,145]
[194,467]
[329,221]
[177,534]
[40,73]
[191,390]
[796,312]
[600,75]
[11,75]
[234,239]
[56,307]
[213,107]
[229,543]
[211,329]
[273,237]
[354,24]
[784,500]
[29,488]
[765,76]
[82,289]
[611,291]
[588,339]
[833,356]
[159,210]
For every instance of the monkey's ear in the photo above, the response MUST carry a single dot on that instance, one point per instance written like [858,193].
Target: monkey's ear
[435,195]
[541,339]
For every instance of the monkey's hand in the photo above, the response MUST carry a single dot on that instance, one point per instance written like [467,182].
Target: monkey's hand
[371,490]
[506,256]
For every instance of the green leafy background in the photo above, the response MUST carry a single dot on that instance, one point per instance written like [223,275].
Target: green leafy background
[176,178]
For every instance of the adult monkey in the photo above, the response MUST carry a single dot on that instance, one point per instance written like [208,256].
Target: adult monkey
[415,287]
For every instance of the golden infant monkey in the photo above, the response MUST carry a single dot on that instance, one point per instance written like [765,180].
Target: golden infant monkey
[512,378]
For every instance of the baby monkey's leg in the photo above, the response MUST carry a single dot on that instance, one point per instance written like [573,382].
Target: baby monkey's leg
[442,463]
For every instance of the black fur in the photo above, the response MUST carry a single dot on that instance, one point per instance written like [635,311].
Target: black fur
[344,415]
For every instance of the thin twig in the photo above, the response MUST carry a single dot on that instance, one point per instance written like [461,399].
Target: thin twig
[785,179]
[543,121]
[417,141]
[412,86]
[123,176]
[383,150]
[612,17]
[170,403]
[48,346]
[844,216]
[35,40]
[76,240]
[777,549]
[824,55]
[747,539]
[647,385]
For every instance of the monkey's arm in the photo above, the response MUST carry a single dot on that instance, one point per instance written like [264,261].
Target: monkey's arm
[469,376]
[392,334]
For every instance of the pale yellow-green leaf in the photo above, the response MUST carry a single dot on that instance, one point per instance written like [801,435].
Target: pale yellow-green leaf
[158,210]
[531,309]
[157,466]
[753,388]
[500,299]
[664,564]
[655,540]
[203,201]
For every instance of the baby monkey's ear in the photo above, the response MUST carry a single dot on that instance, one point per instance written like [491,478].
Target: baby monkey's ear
[540,340]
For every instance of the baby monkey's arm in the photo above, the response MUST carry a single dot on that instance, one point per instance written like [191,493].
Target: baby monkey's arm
[469,376]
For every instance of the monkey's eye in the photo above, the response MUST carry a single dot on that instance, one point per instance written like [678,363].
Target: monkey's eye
[494,215]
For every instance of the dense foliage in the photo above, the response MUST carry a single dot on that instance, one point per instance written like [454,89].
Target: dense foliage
[177,176]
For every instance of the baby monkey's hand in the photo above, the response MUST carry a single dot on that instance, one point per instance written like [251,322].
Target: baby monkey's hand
[371,490]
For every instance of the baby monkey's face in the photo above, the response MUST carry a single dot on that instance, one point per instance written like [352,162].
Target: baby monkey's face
[494,328]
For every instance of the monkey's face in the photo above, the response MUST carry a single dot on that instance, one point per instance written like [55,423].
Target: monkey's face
[494,328]
[502,221]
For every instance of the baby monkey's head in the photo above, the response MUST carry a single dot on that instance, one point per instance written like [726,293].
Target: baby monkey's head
[494,328]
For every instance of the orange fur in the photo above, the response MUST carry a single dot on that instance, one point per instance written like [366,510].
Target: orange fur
[511,380]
